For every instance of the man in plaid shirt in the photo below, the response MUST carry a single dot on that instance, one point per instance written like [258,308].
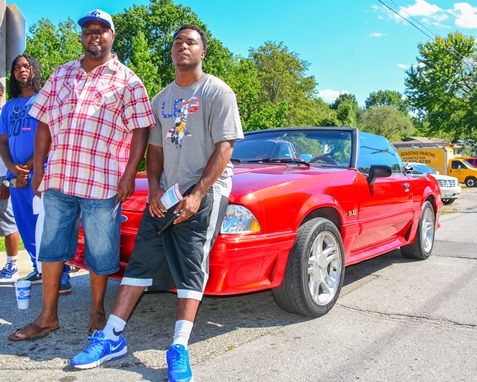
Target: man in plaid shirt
[94,117]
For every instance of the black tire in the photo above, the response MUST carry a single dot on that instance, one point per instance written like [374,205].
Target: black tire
[315,270]
[421,249]
[448,201]
[471,182]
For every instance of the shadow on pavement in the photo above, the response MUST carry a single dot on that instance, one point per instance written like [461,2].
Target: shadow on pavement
[223,323]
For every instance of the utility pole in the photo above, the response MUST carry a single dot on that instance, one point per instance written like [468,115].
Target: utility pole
[12,36]
[3,46]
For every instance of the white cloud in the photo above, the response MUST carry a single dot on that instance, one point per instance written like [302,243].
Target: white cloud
[421,8]
[377,34]
[465,14]
[403,66]
[422,11]
[329,95]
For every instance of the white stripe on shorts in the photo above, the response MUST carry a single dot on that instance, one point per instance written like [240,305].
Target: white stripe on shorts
[136,282]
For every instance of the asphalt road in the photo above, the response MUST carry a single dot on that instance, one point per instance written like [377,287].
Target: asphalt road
[396,320]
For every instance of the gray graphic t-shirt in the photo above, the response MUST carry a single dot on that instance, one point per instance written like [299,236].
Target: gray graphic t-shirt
[190,120]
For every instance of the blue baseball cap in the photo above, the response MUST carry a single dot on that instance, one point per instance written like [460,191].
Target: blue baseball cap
[97,15]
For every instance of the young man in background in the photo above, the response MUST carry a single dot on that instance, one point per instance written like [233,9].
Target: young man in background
[8,228]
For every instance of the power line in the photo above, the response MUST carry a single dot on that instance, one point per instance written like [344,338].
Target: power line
[412,17]
[402,17]
[452,49]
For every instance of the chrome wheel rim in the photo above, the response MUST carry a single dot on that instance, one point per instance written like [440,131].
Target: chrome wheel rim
[427,230]
[324,268]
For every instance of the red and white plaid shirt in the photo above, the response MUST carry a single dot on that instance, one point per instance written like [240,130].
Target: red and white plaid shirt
[91,121]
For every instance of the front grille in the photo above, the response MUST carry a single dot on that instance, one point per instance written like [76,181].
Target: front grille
[447,183]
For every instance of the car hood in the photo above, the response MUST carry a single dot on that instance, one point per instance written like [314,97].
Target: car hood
[252,177]
[249,178]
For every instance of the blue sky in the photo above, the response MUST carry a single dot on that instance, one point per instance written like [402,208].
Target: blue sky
[354,46]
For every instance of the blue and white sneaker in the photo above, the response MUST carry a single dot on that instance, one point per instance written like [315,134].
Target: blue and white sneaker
[34,277]
[9,273]
[65,285]
[178,364]
[99,350]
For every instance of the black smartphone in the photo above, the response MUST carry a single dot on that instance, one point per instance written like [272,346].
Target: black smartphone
[170,216]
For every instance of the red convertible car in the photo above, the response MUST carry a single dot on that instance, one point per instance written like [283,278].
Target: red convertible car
[306,202]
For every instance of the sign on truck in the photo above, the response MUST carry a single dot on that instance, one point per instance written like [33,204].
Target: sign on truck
[443,160]
[437,158]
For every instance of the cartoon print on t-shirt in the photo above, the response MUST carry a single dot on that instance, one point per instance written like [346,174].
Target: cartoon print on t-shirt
[180,130]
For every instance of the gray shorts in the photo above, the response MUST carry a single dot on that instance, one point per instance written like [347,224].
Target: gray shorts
[179,256]
[7,220]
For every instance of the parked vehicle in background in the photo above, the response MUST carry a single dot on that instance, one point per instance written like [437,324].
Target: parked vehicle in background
[450,187]
[472,161]
[442,160]
[294,222]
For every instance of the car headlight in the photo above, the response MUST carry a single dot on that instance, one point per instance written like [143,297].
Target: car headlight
[239,219]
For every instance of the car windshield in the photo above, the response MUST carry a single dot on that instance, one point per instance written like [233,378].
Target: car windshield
[419,168]
[249,150]
[320,147]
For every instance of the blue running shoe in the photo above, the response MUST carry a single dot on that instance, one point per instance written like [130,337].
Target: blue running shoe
[65,285]
[178,364]
[34,277]
[9,273]
[99,350]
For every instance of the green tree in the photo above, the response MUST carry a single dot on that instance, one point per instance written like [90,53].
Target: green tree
[441,87]
[271,84]
[267,116]
[387,98]
[157,22]
[347,109]
[386,121]
[282,76]
[241,76]
[141,64]
[53,46]
[313,112]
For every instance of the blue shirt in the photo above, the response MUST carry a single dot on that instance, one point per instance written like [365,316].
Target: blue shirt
[20,128]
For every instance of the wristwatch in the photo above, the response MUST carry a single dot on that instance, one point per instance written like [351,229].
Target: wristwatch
[6,183]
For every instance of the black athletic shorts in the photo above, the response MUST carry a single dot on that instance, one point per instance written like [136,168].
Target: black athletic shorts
[167,256]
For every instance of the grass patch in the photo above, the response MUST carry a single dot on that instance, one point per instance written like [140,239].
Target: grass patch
[2,244]
[449,211]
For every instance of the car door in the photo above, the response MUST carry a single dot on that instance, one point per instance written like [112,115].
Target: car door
[386,205]
[458,169]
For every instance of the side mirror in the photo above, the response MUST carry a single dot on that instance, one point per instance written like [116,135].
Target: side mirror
[379,171]
[409,169]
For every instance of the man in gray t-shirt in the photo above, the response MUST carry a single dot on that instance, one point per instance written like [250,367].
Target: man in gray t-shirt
[197,123]
[191,120]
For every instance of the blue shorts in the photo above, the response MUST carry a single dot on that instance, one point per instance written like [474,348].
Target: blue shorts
[101,231]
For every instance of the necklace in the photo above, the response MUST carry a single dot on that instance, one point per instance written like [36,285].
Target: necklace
[24,106]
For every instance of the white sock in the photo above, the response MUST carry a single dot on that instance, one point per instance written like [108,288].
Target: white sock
[182,332]
[12,259]
[114,327]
